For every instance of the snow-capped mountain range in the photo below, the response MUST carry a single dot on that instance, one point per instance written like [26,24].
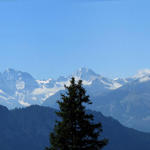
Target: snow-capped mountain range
[19,88]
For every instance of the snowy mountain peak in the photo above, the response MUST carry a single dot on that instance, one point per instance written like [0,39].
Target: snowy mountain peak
[142,73]
[9,70]
[9,73]
[86,74]
[85,70]
[13,74]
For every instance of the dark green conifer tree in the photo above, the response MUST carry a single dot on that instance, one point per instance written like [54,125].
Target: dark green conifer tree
[76,129]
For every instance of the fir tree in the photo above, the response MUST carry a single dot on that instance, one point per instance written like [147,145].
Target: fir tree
[76,129]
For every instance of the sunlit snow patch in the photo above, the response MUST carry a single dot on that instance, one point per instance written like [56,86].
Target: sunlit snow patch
[144,79]
[24,103]
[142,73]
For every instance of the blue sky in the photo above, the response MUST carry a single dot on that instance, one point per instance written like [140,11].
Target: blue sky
[48,38]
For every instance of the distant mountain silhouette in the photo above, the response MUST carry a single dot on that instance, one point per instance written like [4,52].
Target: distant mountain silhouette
[29,128]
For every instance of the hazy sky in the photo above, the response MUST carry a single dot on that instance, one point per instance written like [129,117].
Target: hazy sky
[48,38]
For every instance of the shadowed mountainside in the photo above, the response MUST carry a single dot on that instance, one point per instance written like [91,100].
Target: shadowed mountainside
[29,128]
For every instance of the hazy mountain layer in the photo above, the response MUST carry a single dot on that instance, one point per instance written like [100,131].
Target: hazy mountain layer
[29,128]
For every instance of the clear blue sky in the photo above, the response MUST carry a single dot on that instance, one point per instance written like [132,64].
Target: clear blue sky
[48,38]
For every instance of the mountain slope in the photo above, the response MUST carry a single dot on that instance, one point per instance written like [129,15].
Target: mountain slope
[129,104]
[28,129]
